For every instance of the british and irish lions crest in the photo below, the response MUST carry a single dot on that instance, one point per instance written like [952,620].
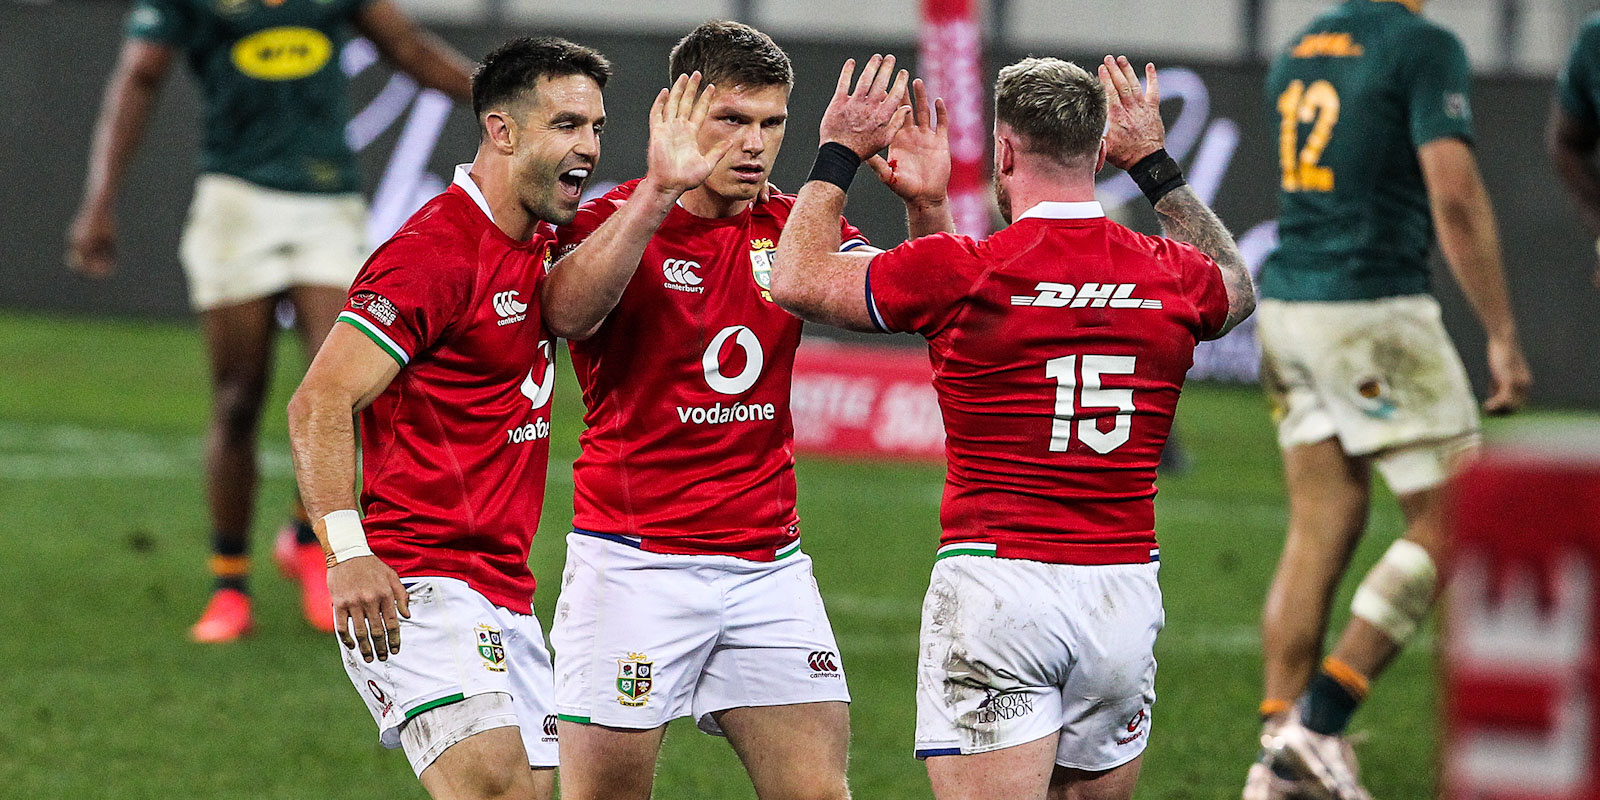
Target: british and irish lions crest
[635,676]
[492,646]
[762,252]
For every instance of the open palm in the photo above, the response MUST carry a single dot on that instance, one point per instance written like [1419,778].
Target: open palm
[918,166]
[676,160]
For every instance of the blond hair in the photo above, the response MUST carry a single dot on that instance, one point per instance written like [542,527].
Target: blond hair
[1057,107]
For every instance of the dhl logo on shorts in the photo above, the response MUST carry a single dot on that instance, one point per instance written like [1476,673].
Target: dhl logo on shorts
[282,54]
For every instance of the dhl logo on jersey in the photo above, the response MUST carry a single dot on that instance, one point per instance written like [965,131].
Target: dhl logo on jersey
[282,54]
[1330,45]
[1090,295]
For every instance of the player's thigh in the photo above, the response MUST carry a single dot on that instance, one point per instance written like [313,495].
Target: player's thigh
[602,763]
[486,766]
[993,657]
[634,631]
[1022,772]
[1116,783]
[776,646]
[316,308]
[792,752]
[238,341]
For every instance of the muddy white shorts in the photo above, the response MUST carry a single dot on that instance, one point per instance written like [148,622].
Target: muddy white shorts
[244,242]
[644,638]
[458,645]
[1013,651]
[1381,375]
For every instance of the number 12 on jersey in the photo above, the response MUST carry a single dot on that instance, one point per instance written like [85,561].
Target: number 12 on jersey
[1319,103]
[1070,398]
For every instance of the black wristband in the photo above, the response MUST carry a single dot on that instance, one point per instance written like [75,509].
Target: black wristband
[1157,174]
[835,164]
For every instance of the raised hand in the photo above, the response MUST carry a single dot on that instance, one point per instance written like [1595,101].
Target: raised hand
[1134,128]
[918,166]
[676,161]
[866,119]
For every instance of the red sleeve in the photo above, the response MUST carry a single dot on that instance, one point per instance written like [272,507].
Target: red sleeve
[1202,286]
[850,237]
[408,295]
[590,217]
[918,286]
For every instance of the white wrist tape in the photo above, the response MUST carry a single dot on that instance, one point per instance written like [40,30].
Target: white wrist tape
[346,538]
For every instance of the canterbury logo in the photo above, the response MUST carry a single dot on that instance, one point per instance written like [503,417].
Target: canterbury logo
[823,661]
[1090,295]
[506,305]
[680,275]
[550,725]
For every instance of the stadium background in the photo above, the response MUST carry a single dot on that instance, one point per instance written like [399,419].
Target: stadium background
[102,397]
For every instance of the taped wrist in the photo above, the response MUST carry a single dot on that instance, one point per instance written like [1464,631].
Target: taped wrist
[835,164]
[1157,174]
[344,536]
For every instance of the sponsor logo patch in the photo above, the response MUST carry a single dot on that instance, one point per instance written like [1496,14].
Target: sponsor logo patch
[1090,295]
[681,276]
[824,664]
[635,676]
[1002,705]
[376,305]
[1135,728]
[508,308]
[385,705]
[491,645]
[549,728]
[282,54]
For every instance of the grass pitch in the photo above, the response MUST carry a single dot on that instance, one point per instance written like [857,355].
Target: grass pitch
[104,569]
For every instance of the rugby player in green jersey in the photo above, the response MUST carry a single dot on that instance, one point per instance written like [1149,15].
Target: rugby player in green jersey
[1573,133]
[276,214]
[1372,105]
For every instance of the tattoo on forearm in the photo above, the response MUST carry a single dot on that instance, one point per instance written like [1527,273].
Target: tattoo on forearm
[1186,218]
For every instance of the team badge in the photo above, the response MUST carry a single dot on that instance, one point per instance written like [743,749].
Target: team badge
[762,253]
[634,679]
[491,645]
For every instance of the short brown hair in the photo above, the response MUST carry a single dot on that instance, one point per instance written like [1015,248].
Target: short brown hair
[516,67]
[731,54]
[1056,106]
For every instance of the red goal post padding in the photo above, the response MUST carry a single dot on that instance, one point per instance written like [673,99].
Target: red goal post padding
[1522,654]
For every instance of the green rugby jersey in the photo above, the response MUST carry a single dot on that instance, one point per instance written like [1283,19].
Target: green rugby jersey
[1354,96]
[1578,87]
[275,96]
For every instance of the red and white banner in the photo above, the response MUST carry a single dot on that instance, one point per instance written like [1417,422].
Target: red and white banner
[950,61]
[865,401]
[1522,655]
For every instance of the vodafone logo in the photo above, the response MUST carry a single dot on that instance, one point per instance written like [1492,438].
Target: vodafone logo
[681,276]
[745,339]
[508,308]
[538,394]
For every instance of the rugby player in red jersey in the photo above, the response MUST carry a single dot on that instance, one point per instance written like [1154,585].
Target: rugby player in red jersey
[686,592]
[443,353]
[1059,346]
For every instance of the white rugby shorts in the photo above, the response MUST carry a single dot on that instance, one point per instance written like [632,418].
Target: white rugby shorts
[1013,651]
[244,242]
[457,645]
[1381,375]
[644,638]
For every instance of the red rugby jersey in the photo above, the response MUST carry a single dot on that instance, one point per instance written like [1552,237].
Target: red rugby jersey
[454,451]
[690,446]
[1059,347]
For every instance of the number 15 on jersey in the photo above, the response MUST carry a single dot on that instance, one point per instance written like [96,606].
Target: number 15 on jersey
[1071,398]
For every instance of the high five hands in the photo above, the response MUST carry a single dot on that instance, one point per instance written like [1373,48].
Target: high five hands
[867,119]
[1133,113]
[676,161]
